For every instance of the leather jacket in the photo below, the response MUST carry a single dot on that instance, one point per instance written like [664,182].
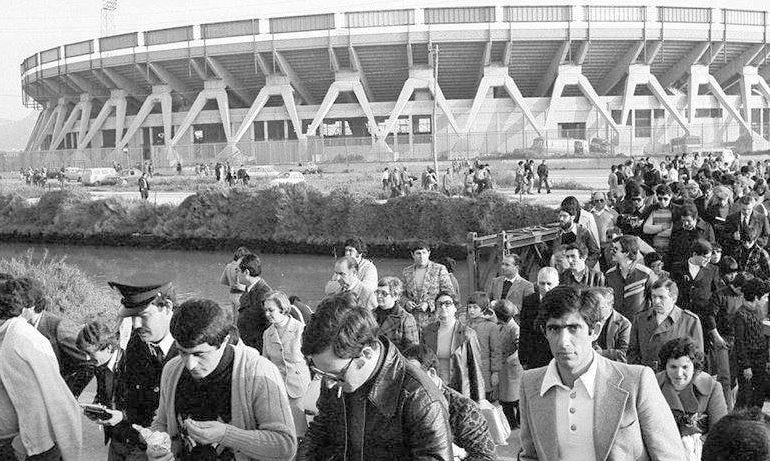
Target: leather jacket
[405,418]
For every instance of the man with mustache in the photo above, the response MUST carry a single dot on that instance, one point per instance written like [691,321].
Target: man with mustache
[137,392]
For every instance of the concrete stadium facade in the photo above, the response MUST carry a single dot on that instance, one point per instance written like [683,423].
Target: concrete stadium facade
[566,78]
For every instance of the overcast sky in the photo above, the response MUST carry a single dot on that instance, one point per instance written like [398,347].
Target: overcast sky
[29,26]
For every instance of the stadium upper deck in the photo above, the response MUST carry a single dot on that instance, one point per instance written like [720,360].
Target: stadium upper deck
[508,77]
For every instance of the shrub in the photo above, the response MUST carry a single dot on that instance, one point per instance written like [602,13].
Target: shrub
[69,291]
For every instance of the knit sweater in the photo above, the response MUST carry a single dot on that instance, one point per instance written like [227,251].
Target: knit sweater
[262,426]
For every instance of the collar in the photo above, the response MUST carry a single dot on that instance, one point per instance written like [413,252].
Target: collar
[512,280]
[573,228]
[693,268]
[165,343]
[552,378]
[253,285]
[674,315]
[36,320]
[113,361]
[387,382]
[599,212]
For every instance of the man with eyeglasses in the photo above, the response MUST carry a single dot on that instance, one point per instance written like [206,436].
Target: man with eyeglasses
[395,322]
[632,210]
[373,404]
[604,216]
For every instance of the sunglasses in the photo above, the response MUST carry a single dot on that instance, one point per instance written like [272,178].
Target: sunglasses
[637,199]
[599,200]
[337,378]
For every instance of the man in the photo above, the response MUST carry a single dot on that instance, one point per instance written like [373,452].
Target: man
[39,418]
[347,280]
[579,274]
[144,186]
[614,191]
[631,210]
[629,279]
[615,333]
[225,399]
[750,346]
[740,436]
[747,218]
[533,348]
[510,285]
[570,231]
[367,272]
[373,404]
[150,305]
[751,256]
[229,278]
[583,406]
[654,327]
[727,299]
[604,216]
[74,365]
[689,228]
[542,177]
[252,321]
[470,430]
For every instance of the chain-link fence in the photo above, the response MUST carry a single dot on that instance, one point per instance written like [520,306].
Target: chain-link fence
[572,140]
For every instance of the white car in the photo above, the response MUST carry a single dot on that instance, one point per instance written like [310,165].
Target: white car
[261,171]
[73,173]
[292,177]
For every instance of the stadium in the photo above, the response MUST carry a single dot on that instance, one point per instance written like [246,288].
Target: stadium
[385,85]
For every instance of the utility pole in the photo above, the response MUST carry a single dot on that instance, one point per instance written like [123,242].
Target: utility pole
[109,7]
[434,58]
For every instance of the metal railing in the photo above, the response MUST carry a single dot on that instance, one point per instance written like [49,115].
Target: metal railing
[593,142]
[615,13]
[682,14]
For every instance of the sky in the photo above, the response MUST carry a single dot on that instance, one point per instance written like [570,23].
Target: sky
[29,26]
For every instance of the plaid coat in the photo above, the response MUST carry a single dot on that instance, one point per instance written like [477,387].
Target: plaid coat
[398,326]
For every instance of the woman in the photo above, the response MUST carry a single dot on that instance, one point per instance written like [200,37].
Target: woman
[423,280]
[695,397]
[281,344]
[457,349]
[510,374]
[717,210]
[395,323]
[229,278]
[483,321]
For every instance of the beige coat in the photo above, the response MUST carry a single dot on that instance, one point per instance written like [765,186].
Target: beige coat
[285,353]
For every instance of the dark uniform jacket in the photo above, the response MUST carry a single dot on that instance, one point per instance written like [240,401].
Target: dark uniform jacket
[405,418]
[591,277]
[137,388]
[534,351]
[647,337]
[696,294]
[681,241]
[252,321]
[616,337]
[757,223]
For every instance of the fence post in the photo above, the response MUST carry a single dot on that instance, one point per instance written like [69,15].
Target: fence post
[471,257]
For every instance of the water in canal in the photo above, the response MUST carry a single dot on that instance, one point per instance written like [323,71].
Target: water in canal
[196,273]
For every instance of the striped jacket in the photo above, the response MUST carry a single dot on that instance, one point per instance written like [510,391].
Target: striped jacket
[630,292]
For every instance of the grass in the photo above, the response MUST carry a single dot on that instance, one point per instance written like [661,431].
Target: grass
[69,291]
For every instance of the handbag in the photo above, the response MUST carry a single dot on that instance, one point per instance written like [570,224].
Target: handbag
[499,428]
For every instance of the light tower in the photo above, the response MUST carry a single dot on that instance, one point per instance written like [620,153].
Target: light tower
[109,7]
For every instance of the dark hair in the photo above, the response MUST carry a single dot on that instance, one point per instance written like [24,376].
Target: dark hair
[650,258]
[746,200]
[394,285]
[423,354]
[481,299]
[449,263]
[343,328]
[743,435]
[663,189]
[350,262]
[716,246]
[419,245]
[445,293]
[579,246]
[12,299]
[628,244]
[754,289]
[728,264]
[700,247]
[504,310]
[565,299]
[688,209]
[571,206]
[97,335]
[32,292]
[668,284]
[251,264]
[240,252]
[294,298]
[200,321]
[681,347]
[357,243]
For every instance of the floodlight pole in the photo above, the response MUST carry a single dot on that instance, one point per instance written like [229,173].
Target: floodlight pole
[433,123]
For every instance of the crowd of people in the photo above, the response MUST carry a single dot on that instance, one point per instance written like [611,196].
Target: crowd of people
[641,338]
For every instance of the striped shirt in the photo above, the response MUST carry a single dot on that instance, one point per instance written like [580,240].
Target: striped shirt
[630,291]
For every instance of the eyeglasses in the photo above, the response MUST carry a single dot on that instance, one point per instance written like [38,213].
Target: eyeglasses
[636,199]
[337,378]
[382,293]
[599,200]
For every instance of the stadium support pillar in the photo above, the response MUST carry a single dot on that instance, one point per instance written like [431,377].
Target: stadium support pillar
[639,74]
[85,116]
[573,75]
[275,85]
[117,100]
[160,94]
[553,69]
[749,78]
[699,75]
[48,125]
[419,79]
[679,69]
[42,121]
[621,67]
[738,64]
[497,76]
[58,137]
[212,89]
[61,116]
[344,81]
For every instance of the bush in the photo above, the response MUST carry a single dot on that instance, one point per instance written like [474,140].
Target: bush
[69,291]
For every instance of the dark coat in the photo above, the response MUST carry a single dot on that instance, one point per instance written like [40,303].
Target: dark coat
[696,294]
[618,336]
[406,417]
[534,351]
[682,239]
[757,223]
[252,321]
[74,365]
[699,406]
[583,236]
[137,388]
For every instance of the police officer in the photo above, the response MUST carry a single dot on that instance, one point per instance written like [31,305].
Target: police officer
[151,345]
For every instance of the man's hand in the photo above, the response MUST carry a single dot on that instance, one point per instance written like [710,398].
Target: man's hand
[117,417]
[718,341]
[495,378]
[747,373]
[206,432]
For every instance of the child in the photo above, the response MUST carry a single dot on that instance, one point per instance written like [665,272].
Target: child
[655,263]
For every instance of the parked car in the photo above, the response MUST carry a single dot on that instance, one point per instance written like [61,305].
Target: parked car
[99,176]
[261,171]
[73,173]
[292,177]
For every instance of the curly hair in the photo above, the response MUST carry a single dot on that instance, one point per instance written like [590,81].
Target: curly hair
[681,347]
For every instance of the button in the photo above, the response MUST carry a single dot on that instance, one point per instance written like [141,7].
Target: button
[573,395]
[573,428]
[572,410]
[156,389]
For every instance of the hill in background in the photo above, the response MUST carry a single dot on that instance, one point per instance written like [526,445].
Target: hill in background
[15,133]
